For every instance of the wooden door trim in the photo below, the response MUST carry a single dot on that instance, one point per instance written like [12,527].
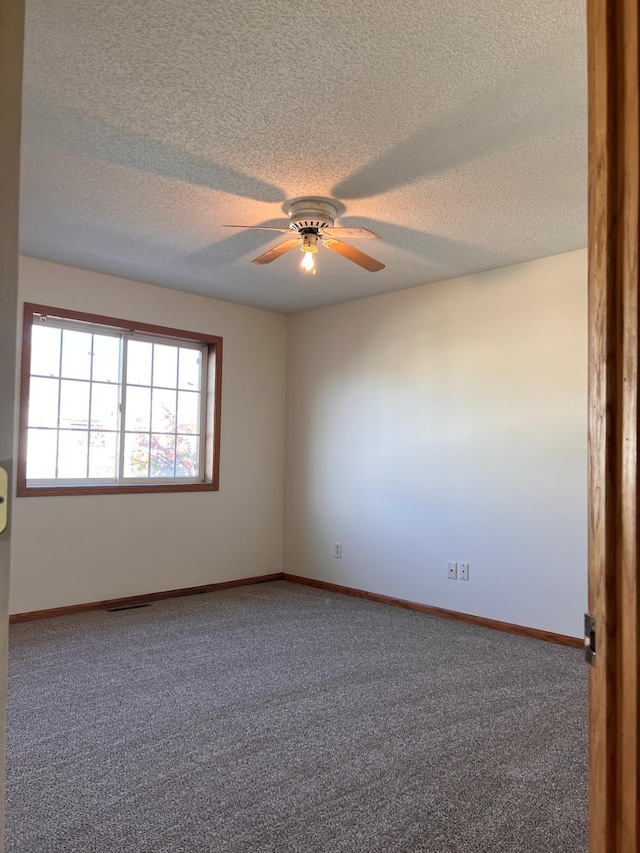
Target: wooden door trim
[11,62]
[612,27]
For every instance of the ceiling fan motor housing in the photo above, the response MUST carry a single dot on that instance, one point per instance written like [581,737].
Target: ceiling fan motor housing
[310,215]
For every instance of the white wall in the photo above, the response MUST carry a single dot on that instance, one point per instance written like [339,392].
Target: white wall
[69,550]
[446,422]
[443,422]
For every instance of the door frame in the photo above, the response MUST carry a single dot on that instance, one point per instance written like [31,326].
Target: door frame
[11,53]
[614,768]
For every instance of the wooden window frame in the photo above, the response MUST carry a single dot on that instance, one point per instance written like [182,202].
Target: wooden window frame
[211,395]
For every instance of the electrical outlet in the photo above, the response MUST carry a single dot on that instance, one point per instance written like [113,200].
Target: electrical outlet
[452,570]
[337,550]
[464,571]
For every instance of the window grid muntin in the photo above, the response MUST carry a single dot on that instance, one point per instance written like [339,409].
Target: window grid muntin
[96,329]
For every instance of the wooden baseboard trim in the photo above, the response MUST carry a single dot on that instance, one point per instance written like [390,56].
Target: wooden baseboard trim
[481,621]
[137,600]
[147,598]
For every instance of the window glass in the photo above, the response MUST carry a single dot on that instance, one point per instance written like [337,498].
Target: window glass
[190,367]
[187,450]
[188,412]
[138,409]
[103,448]
[162,456]
[41,460]
[45,350]
[106,359]
[72,454]
[136,455]
[163,410]
[76,354]
[104,407]
[165,366]
[43,403]
[74,404]
[139,362]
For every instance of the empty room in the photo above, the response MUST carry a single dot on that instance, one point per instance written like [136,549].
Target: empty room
[299,515]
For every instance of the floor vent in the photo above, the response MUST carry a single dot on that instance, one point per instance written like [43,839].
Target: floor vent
[126,607]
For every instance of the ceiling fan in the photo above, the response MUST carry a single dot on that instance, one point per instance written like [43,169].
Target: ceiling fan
[311,220]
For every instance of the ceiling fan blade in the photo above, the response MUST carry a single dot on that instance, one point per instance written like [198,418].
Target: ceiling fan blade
[352,233]
[260,227]
[355,255]
[278,250]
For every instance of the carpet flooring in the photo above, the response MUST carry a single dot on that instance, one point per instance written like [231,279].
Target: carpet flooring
[278,718]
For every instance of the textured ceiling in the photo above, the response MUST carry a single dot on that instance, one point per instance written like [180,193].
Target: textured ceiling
[456,129]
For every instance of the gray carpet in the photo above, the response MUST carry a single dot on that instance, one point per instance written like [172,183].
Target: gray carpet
[281,718]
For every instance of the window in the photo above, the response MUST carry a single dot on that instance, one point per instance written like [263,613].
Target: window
[115,406]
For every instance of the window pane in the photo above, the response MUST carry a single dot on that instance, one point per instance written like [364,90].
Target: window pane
[163,411]
[136,455]
[188,412]
[187,456]
[72,454]
[104,406]
[76,354]
[45,350]
[74,404]
[189,373]
[106,358]
[162,456]
[165,366]
[43,402]
[41,454]
[139,362]
[102,454]
[138,409]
